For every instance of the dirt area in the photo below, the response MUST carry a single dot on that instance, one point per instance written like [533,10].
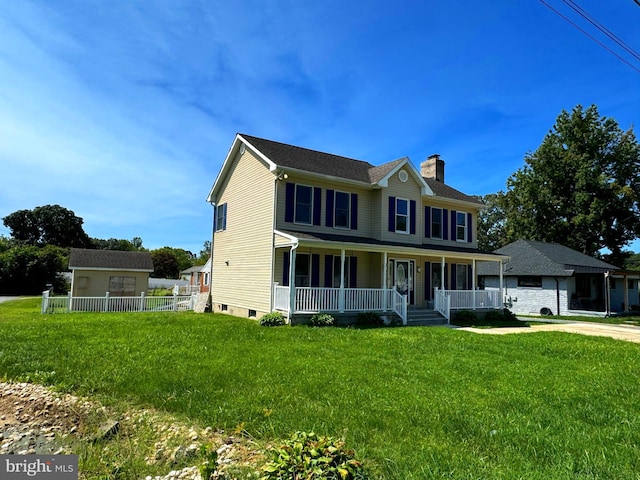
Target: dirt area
[36,420]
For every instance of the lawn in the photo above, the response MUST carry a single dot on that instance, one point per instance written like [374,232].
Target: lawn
[415,403]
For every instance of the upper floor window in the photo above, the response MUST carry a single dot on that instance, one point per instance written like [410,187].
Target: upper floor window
[303,204]
[461,226]
[402,215]
[436,223]
[221,217]
[342,209]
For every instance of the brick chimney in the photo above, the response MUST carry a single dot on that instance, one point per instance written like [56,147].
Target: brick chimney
[433,167]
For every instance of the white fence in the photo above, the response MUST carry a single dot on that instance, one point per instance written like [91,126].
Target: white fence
[318,299]
[143,303]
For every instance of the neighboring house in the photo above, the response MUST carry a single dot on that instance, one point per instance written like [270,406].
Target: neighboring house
[547,278]
[302,231]
[198,277]
[121,274]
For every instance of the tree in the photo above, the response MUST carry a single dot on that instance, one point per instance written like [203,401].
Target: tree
[27,269]
[47,225]
[580,188]
[204,255]
[168,262]
[491,223]
[134,245]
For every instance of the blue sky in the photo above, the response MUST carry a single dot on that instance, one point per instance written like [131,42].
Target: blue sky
[123,111]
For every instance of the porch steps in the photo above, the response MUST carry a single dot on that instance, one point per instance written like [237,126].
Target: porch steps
[424,317]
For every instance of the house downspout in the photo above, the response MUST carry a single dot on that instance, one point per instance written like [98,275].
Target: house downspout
[557,295]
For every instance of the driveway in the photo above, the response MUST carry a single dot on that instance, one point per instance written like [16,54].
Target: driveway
[629,333]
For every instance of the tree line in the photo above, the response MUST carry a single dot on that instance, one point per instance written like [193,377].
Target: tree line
[39,244]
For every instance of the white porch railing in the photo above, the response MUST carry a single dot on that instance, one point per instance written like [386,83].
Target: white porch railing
[447,300]
[442,303]
[319,299]
[108,303]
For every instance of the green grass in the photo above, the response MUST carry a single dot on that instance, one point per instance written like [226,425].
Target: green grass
[415,403]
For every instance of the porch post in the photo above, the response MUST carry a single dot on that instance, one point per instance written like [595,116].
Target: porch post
[473,281]
[341,298]
[292,283]
[442,273]
[384,279]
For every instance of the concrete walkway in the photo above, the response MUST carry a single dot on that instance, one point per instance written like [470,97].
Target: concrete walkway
[629,333]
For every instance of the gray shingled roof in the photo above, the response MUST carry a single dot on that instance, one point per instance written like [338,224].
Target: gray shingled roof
[299,158]
[530,257]
[110,259]
[442,190]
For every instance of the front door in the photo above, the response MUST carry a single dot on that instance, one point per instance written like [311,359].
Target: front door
[403,275]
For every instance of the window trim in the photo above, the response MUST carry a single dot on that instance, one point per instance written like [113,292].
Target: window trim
[462,225]
[295,204]
[433,209]
[407,216]
[335,210]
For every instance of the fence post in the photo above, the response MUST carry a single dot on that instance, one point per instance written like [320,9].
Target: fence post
[69,302]
[175,302]
[106,302]
[45,301]
[142,301]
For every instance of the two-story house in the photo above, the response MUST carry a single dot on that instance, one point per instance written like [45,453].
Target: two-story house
[302,231]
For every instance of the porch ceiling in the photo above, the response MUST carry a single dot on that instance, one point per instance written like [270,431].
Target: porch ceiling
[366,244]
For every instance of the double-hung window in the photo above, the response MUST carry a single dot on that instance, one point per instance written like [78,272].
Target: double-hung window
[436,223]
[402,215]
[336,271]
[304,204]
[461,226]
[221,217]
[461,277]
[303,270]
[342,206]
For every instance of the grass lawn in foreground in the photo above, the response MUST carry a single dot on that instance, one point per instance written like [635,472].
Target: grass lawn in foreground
[415,403]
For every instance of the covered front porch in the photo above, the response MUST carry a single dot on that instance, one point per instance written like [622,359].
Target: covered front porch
[313,276]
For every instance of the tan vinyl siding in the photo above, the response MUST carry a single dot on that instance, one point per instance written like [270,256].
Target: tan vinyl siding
[95,283]
[368,265]
[409,190]
[364,207]
[242,258]
[444,204]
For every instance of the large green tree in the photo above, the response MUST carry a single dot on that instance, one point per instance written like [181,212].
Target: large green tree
[491,223]
[47,225]
[27,269]
[580,188]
